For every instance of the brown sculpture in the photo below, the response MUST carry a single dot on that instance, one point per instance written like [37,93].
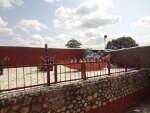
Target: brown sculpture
[2,63]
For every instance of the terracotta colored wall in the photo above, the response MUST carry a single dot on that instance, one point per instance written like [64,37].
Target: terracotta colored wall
[29,56]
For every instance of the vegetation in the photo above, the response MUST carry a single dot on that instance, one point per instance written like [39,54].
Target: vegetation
[41,67]
[122,42]
[73,44]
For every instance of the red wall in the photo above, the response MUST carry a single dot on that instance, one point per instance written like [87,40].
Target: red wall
[123,104]
[29,56]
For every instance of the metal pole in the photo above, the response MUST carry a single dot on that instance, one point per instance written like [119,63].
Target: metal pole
[105,36]
[108,67]
[125,65]
[46,51]
[55,72]
[48,74]
[83,72]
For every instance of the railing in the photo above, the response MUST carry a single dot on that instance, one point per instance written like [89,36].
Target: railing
[29,76]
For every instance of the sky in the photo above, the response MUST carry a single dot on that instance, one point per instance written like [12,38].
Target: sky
[33,23]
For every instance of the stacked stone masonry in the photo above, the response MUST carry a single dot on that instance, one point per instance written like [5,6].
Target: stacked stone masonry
[77,97]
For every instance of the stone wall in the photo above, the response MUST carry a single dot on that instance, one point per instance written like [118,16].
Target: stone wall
[141,53]
[77,97]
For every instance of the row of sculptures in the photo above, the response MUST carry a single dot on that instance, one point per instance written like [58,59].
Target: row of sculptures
[90,56]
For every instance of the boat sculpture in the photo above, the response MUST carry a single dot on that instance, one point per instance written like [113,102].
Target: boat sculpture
[89,66]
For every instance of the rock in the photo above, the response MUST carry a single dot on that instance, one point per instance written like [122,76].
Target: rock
[80,105]
[63,108]
[4,110]
[89,98]
[99,90]
[78,110]
[39,99]
[50,111]
[79,102]
[74,101]
[24,109]
[70,106]
[37,107]
[99,104]
[67,111]
[95,95]
[26,100]
[45,105]
[99,99]
[81,91]
[56,104]
[83,101]
[82,112]
[37,94]
[58,111]
[103,103]
[3,103]
[73,112]
[85,104]
[68,98]
[75,106]
[96,102]
[110,100]
[12,101]
[67,103]
[88,108]
[77,92]
[11,111]
[94,106]
[15,107]
[78,98]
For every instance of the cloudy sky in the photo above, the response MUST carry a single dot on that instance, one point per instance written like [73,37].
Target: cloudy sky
[36,22]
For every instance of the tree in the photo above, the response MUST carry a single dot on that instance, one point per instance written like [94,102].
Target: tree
[73,44]
[122,42]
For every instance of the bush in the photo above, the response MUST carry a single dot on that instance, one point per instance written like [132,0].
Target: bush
[41,67]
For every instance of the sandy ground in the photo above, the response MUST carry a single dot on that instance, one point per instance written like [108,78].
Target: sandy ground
[27,76]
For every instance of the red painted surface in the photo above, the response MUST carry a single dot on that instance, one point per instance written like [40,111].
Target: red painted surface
[29,56]
[123,104]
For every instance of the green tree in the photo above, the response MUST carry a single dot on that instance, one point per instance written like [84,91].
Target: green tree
[73,44]
[122,42]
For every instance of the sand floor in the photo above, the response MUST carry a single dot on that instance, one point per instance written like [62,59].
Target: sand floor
[27,76]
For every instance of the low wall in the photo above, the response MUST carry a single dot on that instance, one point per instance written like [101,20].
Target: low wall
[140,53]
[93,96]
[30,56]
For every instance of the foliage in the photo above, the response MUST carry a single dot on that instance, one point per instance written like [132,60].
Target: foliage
[73,44]
[122,42]
[41,67]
